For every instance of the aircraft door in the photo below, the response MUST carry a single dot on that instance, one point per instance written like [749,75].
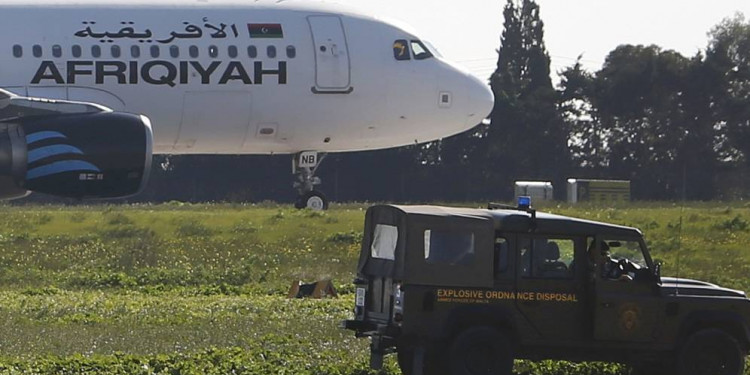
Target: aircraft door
[332,64]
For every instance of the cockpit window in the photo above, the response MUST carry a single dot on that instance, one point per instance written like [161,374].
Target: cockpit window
[401,50]
[420,50]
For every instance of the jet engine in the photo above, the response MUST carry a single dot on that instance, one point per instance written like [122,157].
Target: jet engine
[68,149]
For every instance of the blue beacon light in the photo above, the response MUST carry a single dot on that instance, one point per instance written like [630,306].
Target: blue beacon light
[524,203]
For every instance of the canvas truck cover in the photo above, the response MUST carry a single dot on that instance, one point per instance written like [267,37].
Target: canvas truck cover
[397,240]
[428,245]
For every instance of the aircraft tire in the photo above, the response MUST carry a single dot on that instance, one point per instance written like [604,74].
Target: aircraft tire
[313,200]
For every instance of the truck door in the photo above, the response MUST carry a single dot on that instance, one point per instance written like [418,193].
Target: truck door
[550,287]
[624,309]
[332,64]
[383,246]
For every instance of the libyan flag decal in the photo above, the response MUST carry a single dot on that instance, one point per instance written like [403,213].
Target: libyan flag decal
[265,30]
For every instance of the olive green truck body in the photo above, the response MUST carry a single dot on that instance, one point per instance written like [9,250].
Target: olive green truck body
[467,291]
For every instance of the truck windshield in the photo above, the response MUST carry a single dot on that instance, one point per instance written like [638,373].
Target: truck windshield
[630,250]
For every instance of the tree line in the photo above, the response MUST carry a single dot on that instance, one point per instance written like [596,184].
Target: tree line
[677,127]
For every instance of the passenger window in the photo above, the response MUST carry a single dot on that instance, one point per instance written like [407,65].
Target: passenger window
[548,258]
[232,51]
[174,51]
[193,51]
[96,51]
[271,52]
[384,242]
[291,52]
[451,248]
[155,52]
[213,51]
[17,51]
[135,51]
[56,51]
[36,50]
[76,51]
[115,51]
[501,255]
[420,50]
[401,50]
[252,52]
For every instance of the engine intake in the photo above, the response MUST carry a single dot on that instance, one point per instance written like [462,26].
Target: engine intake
[89,155]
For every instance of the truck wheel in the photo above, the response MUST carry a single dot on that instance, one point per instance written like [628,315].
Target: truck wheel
[711,352]
[653,368]
[432,362]
[481,351]
[405,361]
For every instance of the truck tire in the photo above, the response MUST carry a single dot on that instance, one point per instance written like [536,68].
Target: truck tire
[711,352]
[481,351]
[433,364]
[405,360]
[665,367]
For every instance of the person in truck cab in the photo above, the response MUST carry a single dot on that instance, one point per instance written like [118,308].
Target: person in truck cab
[611,269]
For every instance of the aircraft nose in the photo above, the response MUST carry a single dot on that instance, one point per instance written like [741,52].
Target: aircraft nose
[481,100]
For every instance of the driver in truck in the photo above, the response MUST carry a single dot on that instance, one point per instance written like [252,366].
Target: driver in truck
[611,269]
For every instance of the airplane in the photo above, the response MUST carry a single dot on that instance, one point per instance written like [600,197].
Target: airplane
[91,88]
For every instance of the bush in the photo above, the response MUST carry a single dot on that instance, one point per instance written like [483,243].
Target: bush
[348,238]
[736,224]
[193,228]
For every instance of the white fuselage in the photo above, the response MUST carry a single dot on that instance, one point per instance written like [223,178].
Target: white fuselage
[239,77]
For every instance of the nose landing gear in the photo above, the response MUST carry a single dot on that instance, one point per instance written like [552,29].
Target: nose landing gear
[304,165]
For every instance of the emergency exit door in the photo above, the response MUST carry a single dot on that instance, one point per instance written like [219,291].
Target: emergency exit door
[332,65]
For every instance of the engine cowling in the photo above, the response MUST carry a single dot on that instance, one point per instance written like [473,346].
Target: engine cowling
[85,155]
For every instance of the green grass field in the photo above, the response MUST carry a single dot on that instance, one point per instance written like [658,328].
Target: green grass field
[200,289]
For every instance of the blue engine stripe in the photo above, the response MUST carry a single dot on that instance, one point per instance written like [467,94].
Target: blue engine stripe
[47,151]
[40,136]
[61,167]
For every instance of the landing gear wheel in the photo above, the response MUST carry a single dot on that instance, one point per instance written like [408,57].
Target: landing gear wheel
[313,200]
[304,166]
[481,351]
[711,352]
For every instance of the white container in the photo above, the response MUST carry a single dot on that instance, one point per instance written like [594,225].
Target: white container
[537,190]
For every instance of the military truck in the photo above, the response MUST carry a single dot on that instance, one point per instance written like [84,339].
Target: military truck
[466,291]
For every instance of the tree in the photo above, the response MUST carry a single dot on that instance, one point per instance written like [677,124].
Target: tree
[527,138]
[656,110]
[587,138]
[728,60]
